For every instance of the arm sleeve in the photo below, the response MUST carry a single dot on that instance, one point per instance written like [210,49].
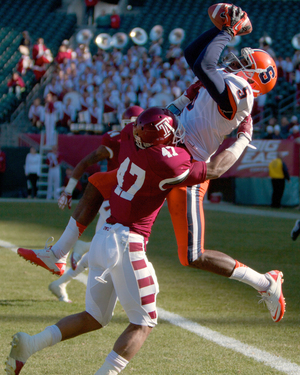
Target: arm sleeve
[203,56]
[197,174]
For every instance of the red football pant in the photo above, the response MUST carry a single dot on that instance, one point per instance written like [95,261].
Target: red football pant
[186,209]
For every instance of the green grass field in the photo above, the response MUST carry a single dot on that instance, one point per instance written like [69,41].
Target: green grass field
[225,306]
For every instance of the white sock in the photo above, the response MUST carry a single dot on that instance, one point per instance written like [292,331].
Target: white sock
[248,276]
[107,369]
[67,240]
[113,364]
[50,336]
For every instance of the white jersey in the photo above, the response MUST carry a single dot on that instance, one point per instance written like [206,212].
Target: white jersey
[204,123]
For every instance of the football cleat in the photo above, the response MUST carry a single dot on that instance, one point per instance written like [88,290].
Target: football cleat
[59,289]
[80,248]
[21,350]
[44,258]
[296,230]
[273,297]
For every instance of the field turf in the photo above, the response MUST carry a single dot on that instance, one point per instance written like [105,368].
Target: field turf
[225,306]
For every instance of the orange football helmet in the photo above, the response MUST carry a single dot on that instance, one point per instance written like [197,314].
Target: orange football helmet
[256,66]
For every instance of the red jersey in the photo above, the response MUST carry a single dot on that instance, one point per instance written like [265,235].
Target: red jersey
[111,140]
[145,177]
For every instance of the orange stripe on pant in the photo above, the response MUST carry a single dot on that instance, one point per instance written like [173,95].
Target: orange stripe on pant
[186,209]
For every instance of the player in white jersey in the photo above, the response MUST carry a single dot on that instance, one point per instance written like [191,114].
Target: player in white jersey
[225,98]
[206,126]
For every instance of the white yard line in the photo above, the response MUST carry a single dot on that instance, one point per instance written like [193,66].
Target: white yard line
[276,362]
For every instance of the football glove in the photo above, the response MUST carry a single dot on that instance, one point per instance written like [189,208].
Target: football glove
[192,90]
[246,128]
[234,20]
[65,200]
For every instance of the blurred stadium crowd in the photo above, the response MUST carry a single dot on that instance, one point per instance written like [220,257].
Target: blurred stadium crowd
[90,83]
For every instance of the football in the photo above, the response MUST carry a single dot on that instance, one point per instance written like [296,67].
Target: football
[216,14]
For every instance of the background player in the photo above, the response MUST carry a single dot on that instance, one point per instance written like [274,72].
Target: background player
[150,165]
[108,150]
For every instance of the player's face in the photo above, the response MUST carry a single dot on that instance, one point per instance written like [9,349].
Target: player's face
[237,64]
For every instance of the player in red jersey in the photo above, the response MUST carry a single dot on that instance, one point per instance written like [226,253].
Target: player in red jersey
[150,165]
[108,150]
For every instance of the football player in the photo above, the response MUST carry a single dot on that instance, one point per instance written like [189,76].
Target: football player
[108,150]
[225,98]
[150,165]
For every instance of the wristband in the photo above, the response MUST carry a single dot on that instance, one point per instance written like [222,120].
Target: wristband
[71,185]
[180,103]
[239,146]
[172,108]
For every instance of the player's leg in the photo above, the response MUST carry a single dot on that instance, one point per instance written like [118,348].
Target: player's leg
[80,247]
[53,258]
[23,345]
[136,286]
[190,239]
[59,286]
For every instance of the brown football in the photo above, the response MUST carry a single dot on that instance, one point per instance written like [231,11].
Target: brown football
[215,14]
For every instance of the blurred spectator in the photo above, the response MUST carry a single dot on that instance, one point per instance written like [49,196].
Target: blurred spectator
[16,85]
[277,132]
[42,57]
[297,81]
[25,63]
[50,120]
[294,133]
[269,132]
[267,47]
[54,87]
[278,173]
[2,168]
[69,117]
[103,20]
[156,47]
[36,115]
[289,68]
[78,188]
[294,121]
[281,66]
[53,161]
[26,40]
[63,53]
[90,11]
[296,57]
[95,113]
[285,127]
[115,20]
[32,171]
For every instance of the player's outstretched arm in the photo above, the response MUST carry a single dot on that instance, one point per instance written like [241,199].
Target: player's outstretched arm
[94,157]
[225,160]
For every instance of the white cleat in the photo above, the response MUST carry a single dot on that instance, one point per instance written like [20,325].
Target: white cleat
[59,289]
[273,297]
[44,258]
[21,350]
[80,248]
